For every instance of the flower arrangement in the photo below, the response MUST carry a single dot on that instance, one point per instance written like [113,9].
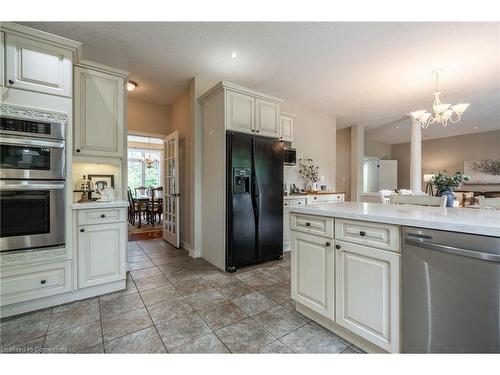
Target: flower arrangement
[445,182]
[308,170]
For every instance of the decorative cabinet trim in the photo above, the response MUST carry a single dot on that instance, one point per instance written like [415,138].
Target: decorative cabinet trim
[29,113]
[32,257]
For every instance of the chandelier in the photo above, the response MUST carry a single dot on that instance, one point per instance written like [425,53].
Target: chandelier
[148,161]
[443,113]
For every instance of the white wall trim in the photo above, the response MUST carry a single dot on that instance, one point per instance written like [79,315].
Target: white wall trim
[192,253]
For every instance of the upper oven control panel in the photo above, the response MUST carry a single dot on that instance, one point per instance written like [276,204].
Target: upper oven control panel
[25,126]
[31,128]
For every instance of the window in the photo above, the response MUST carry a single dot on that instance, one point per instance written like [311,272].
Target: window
[138,173]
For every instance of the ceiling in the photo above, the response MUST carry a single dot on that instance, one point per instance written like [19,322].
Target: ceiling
[361,73]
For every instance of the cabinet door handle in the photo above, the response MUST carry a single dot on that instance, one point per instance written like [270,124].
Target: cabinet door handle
[315,197]
[82,230]
[327,244]
[308,224]
[77,150]
[43,281]
[11,81]
[103,216]
[362,234]
[337,247]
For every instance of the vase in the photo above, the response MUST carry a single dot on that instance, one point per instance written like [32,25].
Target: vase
[448,193]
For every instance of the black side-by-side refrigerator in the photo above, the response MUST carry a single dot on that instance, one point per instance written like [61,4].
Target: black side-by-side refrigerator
[254,216]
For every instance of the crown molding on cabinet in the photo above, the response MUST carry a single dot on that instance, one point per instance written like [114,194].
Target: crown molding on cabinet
[237,88]
[38,114]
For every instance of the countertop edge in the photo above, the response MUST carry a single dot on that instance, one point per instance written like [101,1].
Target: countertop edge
[437,225]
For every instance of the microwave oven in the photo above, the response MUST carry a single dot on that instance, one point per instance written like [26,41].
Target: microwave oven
[289,156]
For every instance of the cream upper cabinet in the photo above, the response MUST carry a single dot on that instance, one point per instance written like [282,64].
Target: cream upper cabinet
[267,118]
[99,113]
[286,127]
[240,114]
[312,272]
[367,293]
[101,253]
[36,66]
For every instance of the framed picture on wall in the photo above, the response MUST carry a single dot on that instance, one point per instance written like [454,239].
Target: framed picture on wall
[482,171]
[102,181]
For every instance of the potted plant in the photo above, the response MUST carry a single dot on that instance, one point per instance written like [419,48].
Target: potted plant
[446,184]
[309,171]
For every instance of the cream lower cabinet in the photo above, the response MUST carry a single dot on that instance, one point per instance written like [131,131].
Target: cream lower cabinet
[367,293]
[101,253]
[312,272]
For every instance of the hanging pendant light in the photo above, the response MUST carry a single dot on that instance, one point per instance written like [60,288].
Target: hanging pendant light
[147,160]
[443,113]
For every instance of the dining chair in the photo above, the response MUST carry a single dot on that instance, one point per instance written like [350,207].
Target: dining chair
[489,203]
[132,207]
[142,190]
[419,200]
[155,205]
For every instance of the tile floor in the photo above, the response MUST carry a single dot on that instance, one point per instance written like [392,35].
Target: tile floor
[176,304]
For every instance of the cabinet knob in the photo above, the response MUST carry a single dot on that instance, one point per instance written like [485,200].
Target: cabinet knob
[43,281]
[337,246]
[315,197]
[362,234]
[253,130]
[308,224]
[103,216]
[82,230]
[327,244]
[77,150]
[11,81]
[257,131]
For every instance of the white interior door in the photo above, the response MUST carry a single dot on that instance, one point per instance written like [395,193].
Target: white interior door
[171,191]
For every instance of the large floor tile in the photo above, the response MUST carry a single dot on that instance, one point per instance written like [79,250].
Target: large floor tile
[277,272]
[74,339]
[122,324]
[73,317]
[130,289]
[276,347]
[180,331]
[121,305]
[140,265]
[97,349]
[233,289]
[254,303]
[151,282]
[182,275]
[222,315]
[205,298]
[279,293]
[245,336]
[19,329]
[219,278]
[279,321]
[144,341]
[168,310]
[146,272]
[260,282]
[192,286]
[205,344]
[161,294]
[313,339]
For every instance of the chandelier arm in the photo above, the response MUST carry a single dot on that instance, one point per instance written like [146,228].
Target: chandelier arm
[456,119]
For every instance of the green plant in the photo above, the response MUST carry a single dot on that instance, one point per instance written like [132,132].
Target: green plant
[442,181]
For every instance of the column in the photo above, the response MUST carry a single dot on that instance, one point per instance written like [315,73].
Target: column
[416,157]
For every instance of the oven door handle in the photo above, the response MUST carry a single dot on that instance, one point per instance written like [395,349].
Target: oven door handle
[11,185]
[31,142]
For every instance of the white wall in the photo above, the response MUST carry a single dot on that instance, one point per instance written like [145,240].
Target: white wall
[314,136]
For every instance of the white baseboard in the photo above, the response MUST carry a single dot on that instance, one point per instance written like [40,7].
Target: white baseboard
[192,252]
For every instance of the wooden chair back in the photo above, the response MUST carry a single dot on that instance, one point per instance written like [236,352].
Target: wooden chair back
[142,190]
[419,200]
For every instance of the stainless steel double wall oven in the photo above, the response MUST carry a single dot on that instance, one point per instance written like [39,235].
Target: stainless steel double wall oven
[32,184]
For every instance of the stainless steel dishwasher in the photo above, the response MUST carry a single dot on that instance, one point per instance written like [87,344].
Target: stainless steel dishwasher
[451,292]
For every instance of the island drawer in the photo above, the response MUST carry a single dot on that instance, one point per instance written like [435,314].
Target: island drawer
[325,198]
[319,225]
[382,236]
[101,216]
[27,283]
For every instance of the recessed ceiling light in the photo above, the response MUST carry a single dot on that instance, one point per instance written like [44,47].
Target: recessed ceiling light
[131,85]
[475,127]
[397,126]
[234,55]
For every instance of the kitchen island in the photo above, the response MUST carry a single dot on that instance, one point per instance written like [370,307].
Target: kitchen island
[346,271]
